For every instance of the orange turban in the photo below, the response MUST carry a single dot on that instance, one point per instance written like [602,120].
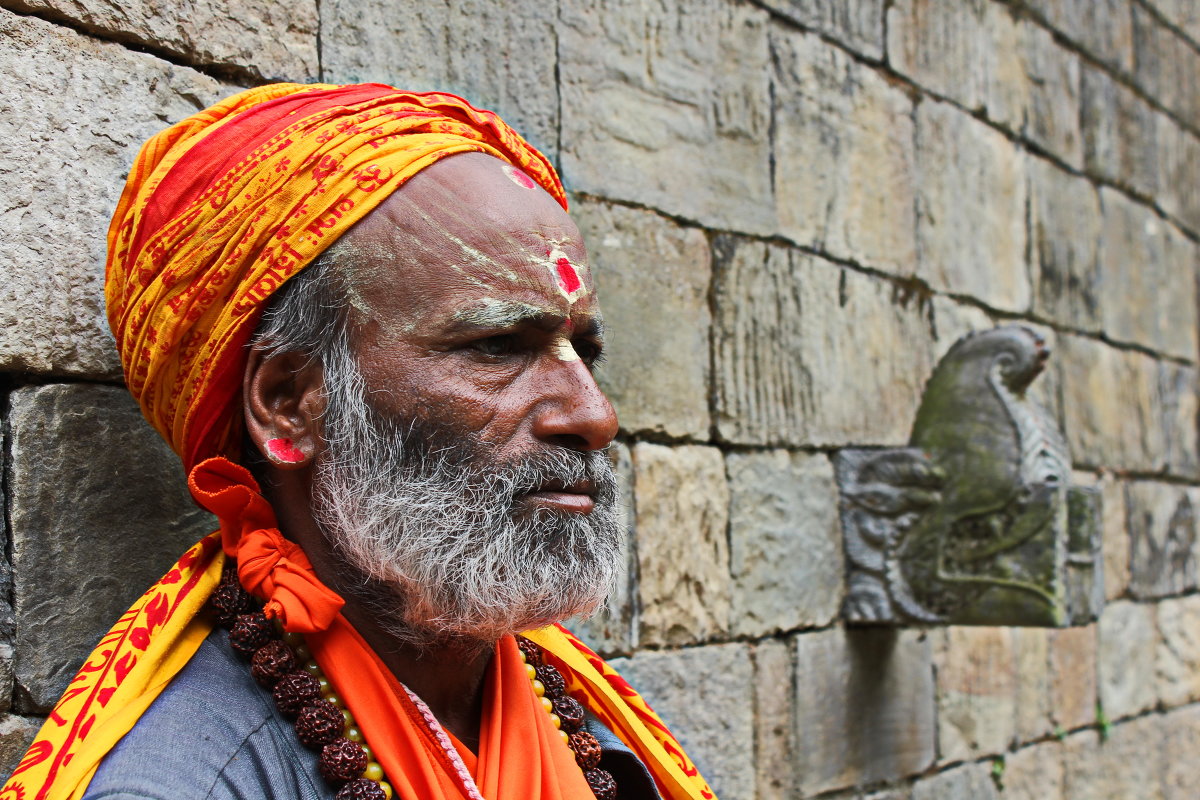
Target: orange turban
[222,208]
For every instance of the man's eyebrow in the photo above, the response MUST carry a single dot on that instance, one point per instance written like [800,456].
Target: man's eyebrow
[495,314]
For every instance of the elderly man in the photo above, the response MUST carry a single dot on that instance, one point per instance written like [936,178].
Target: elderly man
[365,322]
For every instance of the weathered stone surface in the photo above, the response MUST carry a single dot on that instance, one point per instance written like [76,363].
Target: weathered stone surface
[1112,405]
[1066,229]
[611,629]
[1120,133]
[441,46]
[1103,28]
[1140,254]
[1114,518]
[785,545]
[1129,764]
[976,691]
[270,38]
[1073,676]
[1162,535]
[67,138]
[1183,15]
[811,353]
[669,106]
[705,695]
[99,511]
[16,733]
[1182,774]
[653,280]
[1126,649]
[971,197]
[1179,395]
[7,676]
[1165,65]
[682,503]
[1035,773]
[858,24]
[953,320]
[1179,650]
[843,155]
[1178,161]
[969,780]
[864,709]
[1034,687]
[979,55]
[774,735]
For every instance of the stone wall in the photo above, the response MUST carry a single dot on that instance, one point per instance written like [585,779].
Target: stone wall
[794,208]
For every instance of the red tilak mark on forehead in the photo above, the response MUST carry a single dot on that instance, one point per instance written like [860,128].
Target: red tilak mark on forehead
[520,178]
[568,278]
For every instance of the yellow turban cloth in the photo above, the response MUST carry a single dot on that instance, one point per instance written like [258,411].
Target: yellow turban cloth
[218,211]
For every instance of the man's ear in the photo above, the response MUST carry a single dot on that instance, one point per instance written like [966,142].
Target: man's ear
[283,399]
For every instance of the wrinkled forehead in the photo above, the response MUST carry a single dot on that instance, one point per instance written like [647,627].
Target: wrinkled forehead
[474,214]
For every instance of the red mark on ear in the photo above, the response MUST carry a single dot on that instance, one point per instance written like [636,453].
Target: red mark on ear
[520,178]
[283,450]
[568,278]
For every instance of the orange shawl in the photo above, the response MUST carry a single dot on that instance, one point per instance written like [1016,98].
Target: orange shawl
[219,210]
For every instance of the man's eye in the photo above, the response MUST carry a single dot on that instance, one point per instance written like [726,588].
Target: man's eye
[590,352]
[495,345]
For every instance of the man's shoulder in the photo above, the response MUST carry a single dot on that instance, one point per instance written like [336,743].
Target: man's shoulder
[213,734]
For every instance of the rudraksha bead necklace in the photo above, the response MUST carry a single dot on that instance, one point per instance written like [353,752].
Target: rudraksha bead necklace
[282,663]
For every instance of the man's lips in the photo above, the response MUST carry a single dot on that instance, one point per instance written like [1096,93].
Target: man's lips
[576,497]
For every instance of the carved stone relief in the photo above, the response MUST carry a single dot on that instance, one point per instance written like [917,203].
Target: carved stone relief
[975,521]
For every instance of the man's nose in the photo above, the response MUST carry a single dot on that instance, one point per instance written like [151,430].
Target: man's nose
[575,413]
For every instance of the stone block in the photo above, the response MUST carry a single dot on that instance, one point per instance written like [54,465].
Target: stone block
[1179,396]
[7,676]
[1165,65]
[1179,650]
[785,550]
[682,503]
[843,155]
[1102,28]
[16,734]
[610,630]
[1066,231]
[865,707]
[1112,405]
[774,706]
[1183,15]
[1139,255]
[1129,763]
[1114,518]
[953,320]
[1120,133]
[657,320]
[857,24]
[1178,161]
[1034,686]
[1162,536]
[1182,774]
[1127,644]
[976,691]
[705,695]
[1051,103]
[474,48]
[971,197]
[810,353]
[269,38]
[66,141]
[1035,773]
[99,511]
[1073,676]
[969,780]
[669,106]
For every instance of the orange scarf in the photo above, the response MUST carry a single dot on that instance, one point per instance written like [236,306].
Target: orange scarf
[520,755]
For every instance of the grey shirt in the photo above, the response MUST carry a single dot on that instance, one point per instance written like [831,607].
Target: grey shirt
[215,734]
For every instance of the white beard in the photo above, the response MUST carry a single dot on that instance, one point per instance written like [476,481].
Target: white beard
[430,528]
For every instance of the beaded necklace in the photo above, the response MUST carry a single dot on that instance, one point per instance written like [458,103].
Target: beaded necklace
[281,663]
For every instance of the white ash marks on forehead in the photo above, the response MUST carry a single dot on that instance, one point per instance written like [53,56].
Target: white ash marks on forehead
[492,312]
[518,177]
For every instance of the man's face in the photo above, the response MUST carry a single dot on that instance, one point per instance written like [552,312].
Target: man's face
[463,472]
